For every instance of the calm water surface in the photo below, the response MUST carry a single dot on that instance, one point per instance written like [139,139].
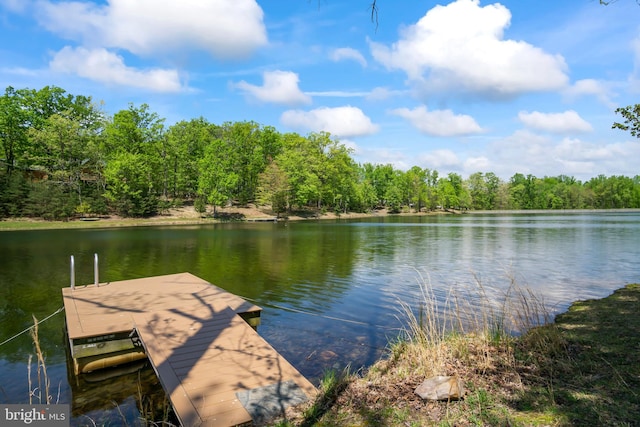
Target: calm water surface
[330,290]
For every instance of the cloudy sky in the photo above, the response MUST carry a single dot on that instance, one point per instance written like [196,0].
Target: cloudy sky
[463,86]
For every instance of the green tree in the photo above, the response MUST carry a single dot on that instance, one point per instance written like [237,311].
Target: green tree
[381,178]
[339,175]
[217,177]
[273,189]
[398,192]
[631,115]
[417,182]
[432,188]
[478,191]
[135,150]
[14,192]
[365,196]
[68,153]
[525,192]
[452,192]
[14,124]
[45,134]
[134,130]
[50,201]
[301,161]
[187,140]
[253,147]
[129,187]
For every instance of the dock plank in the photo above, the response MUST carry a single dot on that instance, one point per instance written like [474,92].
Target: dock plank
[108,308]
[213,374]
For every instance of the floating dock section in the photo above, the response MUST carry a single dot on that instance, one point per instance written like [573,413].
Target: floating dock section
[200,339]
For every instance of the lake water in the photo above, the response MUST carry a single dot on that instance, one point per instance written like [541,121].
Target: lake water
[331,290]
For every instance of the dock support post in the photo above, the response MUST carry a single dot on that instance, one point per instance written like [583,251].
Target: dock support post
[95,269]
[73,274]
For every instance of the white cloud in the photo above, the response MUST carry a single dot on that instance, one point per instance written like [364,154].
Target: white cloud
[477,164]
[461,47]
[526,152]
[576,150]
[441,159]
[17,6]
[351,145]
[377,155]
[338,94]
[566,122]
[634,78]
[439,122]
[279,87]
[590,87]
[348,53]
[382,93]
[20,71]
[224,28]
[344,121]
[376,94]
[106,67]
[523,152]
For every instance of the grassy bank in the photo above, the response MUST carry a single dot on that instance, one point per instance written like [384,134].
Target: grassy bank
[581,370]
[24,224]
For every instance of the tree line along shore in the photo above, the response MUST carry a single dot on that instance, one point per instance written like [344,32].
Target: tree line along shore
[62,157]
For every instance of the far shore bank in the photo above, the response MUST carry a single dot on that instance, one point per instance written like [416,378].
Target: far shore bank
[551,211]
[188,216]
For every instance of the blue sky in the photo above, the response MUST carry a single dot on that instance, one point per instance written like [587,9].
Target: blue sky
[464,86]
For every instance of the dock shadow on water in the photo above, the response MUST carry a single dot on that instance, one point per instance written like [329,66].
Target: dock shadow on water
[127,395]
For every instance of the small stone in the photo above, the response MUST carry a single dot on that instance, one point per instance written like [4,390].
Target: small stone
[441,388]
[327,355]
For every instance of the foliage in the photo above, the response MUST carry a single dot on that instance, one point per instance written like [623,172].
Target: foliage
[50,201]
[56,144]
[129,188]
[273,189]
[217,177]
[631,115]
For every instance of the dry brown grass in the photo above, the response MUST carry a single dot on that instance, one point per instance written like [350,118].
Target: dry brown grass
[40,389]
[581,369]
[466,333]
[463,334]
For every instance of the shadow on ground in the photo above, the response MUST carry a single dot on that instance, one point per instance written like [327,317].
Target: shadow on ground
[589,371]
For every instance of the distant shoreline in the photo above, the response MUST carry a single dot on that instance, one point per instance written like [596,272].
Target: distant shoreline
[551,211]
[188,216]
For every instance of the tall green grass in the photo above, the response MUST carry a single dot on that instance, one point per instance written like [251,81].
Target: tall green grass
[467,321]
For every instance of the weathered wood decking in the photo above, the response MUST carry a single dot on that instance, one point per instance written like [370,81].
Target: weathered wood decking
[213,365]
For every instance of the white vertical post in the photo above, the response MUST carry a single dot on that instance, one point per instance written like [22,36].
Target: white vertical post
[95,269]
[73,274]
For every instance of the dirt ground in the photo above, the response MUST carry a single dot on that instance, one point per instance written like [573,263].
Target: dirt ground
[251,211]
[187,215]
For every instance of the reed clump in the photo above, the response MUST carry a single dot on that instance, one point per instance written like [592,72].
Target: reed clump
[39,388]
[491,340]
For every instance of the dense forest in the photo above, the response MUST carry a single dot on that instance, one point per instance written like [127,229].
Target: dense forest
[63,157]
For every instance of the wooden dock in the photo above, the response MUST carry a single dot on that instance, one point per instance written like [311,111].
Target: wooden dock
[212,363]
[263,219]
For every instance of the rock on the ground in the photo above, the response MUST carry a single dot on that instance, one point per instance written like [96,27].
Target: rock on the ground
[441,388]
